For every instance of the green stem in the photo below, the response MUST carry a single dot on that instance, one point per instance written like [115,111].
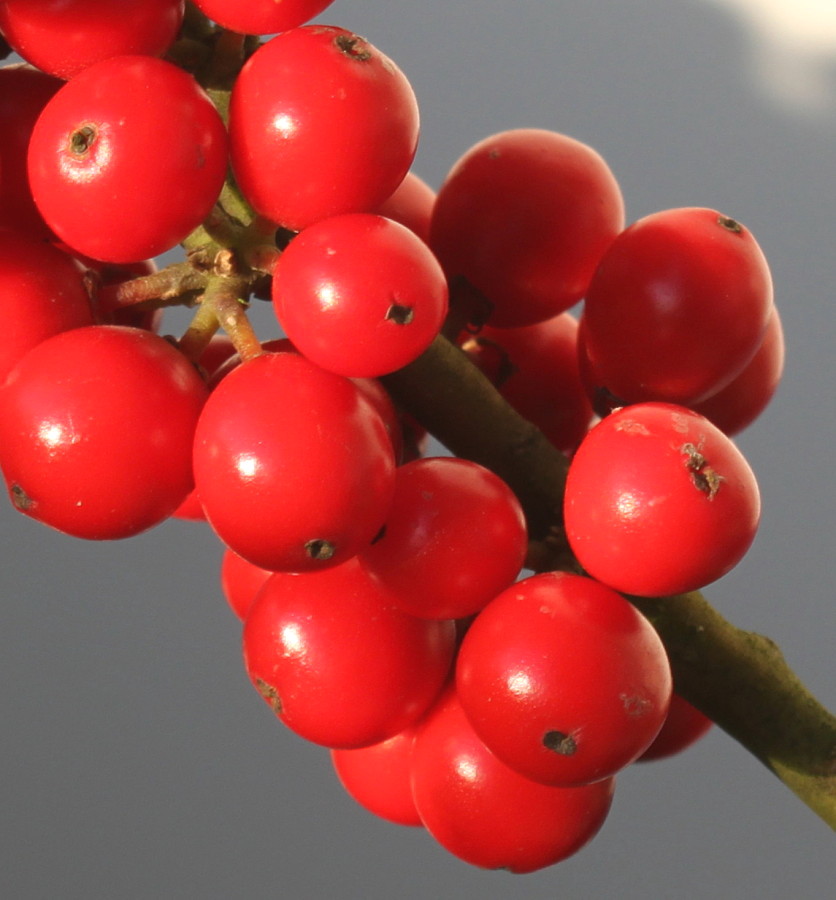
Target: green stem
[203,326]
[455,402]
[741,681]
[224,298]
[177,284]
[737,678]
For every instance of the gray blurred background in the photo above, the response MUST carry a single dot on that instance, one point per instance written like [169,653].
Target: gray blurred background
[137,761]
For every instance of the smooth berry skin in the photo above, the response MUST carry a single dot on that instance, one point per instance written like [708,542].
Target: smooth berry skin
[117,174]
[379,777]
[485,813]
[454,538]
[63,37]
[411,204]
[24,92]
[321,123]
[524,216]
[261,16]
[563,679]
[240,582]
[659,501]
[96,426]
[683,726]
[677,307]
[373,390]
[359,295]
[41,294]
[739,403]
[292,464]
[337,662]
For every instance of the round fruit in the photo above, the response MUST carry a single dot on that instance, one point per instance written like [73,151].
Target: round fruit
[524,216]
[63,37]
[337,662]
[359,294]
[379,777]
[127,158]
[454,538]
[659,501]
[293,465]
[677,307]
[563,679]
[321,123]
[487,814]
[96,429]
[261,16]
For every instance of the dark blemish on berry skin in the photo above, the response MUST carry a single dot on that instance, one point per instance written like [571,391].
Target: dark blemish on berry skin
[560,742]
[20,499]
[703,476]
[400,314]
[82,139]
[729,224]
[270,694]
[320,549]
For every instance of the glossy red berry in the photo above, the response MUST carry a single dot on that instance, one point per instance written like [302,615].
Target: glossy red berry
[359,294]
[524,216]
[739,403]
[411,204]
[63,37]
[240,582]
[455,537]
[659,501]
[563,679]
[92,454]
[119,175]
[379,398]
[321,123]
[379,777]
[292,464]
[261,16]
[677,307]
[337,662]
[684,725]
[487,814]
[41,294]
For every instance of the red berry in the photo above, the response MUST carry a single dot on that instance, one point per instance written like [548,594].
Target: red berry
[321,123]
[379,778]
[563,679]
[486,813]
[411,204]
[454,538]
[127,158]
[683,726]
[41,294]
[261,16]
[677,307]
[740,402]
[292,464]
[659,501]
[240,582]
[359,295]
[96,428]
[525,215]
[337,662]
[62,37]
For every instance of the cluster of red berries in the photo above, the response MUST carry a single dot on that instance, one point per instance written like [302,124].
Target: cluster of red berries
[383,615]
